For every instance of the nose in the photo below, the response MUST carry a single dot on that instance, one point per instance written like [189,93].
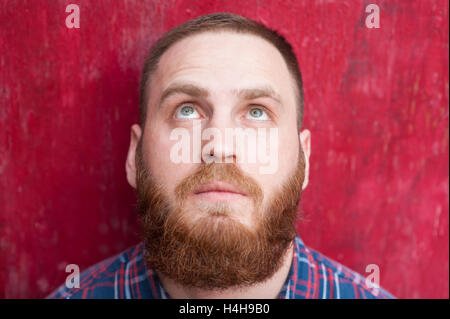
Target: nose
[218,141]
[217,153]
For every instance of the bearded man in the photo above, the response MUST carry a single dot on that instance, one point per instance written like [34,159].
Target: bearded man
[220,226]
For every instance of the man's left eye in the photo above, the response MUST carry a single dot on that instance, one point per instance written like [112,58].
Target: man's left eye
[257,113]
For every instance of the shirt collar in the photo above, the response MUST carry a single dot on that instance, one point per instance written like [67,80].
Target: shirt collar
[298,284]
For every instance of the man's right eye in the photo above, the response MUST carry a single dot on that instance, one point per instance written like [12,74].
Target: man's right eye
[186,111]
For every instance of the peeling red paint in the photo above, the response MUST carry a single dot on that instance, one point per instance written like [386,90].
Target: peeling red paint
[376,104]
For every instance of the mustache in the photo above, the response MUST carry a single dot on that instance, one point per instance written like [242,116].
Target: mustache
[226,172]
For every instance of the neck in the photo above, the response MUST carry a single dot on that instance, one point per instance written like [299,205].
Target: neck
[268,289]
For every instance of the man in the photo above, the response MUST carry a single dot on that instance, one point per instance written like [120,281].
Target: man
[216,221]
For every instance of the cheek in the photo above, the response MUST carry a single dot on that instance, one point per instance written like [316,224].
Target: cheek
[287,161]
[288,153]
[280,159]
[281,154]
[158,150]
[166,171]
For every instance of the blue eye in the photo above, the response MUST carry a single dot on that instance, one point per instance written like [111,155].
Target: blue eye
[257,113]
[187,111]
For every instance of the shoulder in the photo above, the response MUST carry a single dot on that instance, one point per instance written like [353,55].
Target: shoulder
[327,278]
[106,279]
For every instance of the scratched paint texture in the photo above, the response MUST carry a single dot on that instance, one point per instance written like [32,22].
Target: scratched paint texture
[376,104]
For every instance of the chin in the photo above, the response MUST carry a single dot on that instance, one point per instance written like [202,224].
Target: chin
[221,211]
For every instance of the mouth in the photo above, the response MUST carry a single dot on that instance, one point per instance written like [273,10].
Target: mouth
[219,190]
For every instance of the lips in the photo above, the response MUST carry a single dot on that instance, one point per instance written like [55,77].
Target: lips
[219,187]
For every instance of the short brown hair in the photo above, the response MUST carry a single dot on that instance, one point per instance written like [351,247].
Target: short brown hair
[221,21]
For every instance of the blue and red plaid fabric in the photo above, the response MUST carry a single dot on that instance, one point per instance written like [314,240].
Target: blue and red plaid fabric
[311,275]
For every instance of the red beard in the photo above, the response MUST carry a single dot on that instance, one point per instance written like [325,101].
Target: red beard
[214,252]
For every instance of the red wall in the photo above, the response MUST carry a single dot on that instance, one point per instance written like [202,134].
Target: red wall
[376,104]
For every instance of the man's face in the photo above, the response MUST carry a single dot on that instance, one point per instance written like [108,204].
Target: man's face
[230,214]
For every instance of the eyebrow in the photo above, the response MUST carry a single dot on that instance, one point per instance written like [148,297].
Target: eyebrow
[200,92]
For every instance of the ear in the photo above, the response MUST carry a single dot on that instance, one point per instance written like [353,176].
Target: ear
[130,163]
[305,142]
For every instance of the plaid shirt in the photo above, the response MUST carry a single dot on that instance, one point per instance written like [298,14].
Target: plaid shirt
[311,275]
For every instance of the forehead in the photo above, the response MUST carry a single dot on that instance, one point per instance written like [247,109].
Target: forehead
[224,62]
